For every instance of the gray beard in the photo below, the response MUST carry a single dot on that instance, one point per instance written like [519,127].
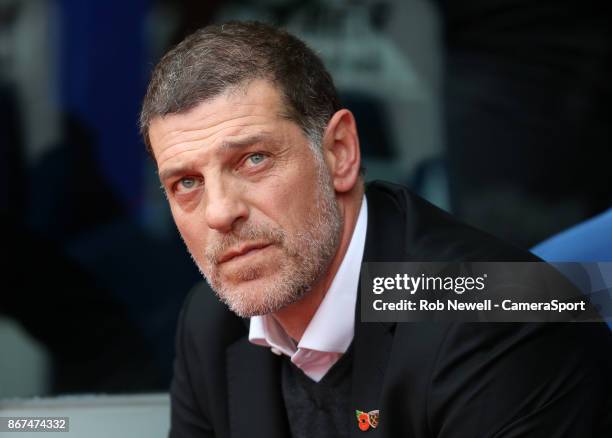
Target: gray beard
[306,256]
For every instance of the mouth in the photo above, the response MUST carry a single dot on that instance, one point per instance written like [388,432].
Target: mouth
[242,251]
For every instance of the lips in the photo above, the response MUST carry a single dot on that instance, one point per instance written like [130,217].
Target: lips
[240,251]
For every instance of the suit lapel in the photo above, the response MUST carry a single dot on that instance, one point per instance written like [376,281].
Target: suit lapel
[256,407]
[385,241]
[371,354]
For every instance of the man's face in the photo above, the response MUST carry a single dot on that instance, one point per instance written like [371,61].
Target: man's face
[255,206]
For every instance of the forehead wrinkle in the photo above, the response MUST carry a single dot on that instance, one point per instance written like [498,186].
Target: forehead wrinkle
[164,159]
[207,111]
[208,119]
[223,145]
[216,126]
[245,140]
[196,131]
[200,140]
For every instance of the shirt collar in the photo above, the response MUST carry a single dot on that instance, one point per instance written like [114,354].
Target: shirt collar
[331,329]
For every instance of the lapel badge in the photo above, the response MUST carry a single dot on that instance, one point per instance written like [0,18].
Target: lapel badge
[365,420]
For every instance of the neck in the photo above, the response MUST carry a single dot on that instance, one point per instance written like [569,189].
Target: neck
[295,318]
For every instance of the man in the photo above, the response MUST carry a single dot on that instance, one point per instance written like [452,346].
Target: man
[261,167]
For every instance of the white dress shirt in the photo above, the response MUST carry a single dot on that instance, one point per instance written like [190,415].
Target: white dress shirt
[330,331]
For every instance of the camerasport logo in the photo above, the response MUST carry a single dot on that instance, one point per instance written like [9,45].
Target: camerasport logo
[365,420]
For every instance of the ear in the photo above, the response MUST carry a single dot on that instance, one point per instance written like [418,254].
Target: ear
[341,150]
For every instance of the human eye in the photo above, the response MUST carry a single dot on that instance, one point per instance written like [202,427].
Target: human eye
[255,159]
[186,184]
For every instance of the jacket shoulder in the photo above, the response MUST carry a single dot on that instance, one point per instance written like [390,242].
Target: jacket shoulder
[430,233]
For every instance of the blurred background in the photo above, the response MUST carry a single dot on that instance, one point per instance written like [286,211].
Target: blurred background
[495,110]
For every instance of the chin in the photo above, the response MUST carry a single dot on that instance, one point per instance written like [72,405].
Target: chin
[261,296]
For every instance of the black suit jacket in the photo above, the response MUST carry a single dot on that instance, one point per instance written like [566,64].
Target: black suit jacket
[428,379]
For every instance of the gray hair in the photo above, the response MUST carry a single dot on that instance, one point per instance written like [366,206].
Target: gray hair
[217,58]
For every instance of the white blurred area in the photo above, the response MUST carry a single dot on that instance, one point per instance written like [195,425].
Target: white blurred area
[24,362]
[28,57]
[132,416]
[24,368]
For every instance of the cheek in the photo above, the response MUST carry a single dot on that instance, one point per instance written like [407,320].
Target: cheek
[283,206]
[192,233]
[295,197]
[300,205]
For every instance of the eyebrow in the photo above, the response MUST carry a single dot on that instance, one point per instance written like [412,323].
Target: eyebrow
[172,172]
[245,141]
[237,144]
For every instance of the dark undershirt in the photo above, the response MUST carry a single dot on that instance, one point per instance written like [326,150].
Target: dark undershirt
[321,408]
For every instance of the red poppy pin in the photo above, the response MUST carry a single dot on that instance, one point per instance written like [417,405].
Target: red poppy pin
[365,420]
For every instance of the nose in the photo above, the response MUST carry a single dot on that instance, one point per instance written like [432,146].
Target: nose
[224,207]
